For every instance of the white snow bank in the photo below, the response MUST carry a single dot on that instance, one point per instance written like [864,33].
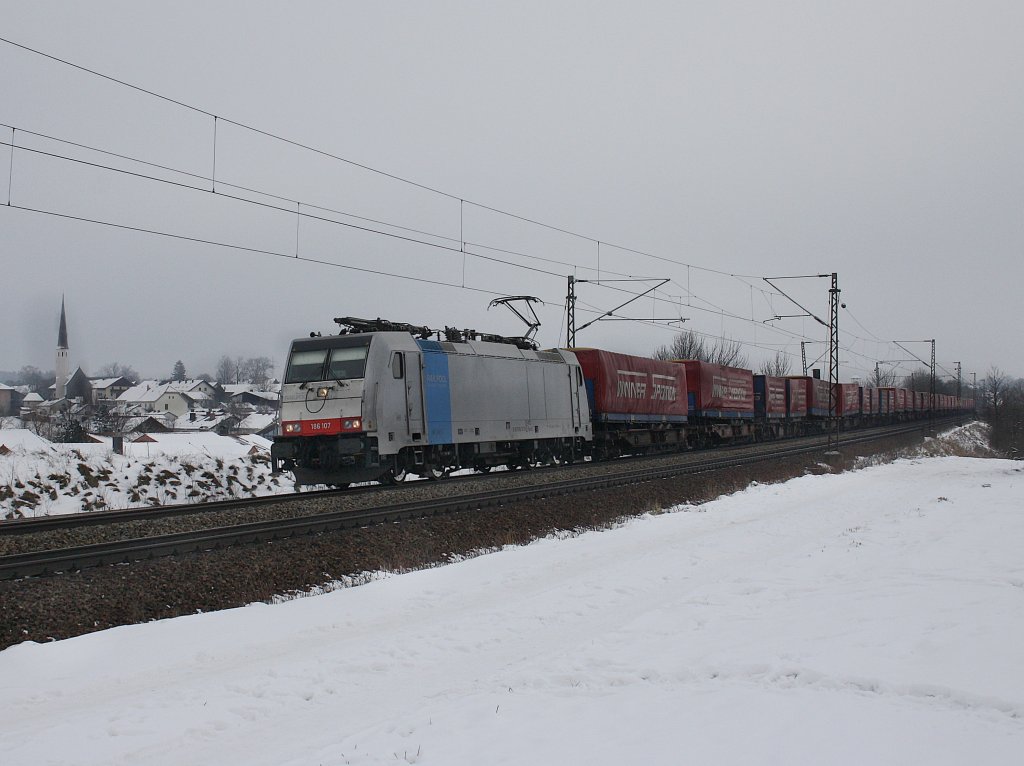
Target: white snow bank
[43,478]
[23,439]
[869,617]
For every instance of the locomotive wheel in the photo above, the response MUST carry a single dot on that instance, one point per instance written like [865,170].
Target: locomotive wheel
[394,476]
[433,473]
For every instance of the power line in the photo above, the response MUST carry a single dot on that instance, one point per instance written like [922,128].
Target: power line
[199,177]
[244,248]
[278,208]
[306,147]
[716,309]
[362,166]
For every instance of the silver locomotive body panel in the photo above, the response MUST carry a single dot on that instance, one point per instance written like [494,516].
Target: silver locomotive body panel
[419,398]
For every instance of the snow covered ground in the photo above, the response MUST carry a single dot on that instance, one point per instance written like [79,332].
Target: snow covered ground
[873,617]
[39,478]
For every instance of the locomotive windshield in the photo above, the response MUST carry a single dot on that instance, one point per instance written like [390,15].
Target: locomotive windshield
[306,366]
[338,358]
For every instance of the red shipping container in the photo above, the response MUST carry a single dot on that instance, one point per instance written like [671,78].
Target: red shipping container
[633,388]
[869,402]
[848,400]
[769,396]
[817,395]
[796,398]
[718,391]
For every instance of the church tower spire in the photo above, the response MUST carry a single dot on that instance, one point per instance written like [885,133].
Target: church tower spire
[62,354]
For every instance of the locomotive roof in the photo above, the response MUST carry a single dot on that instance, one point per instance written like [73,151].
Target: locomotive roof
[403,340]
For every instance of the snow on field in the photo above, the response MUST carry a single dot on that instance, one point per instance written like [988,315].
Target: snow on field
[873,617]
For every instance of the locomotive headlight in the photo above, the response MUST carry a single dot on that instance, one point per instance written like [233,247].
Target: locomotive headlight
[322,392]
[353,424]
[292,428]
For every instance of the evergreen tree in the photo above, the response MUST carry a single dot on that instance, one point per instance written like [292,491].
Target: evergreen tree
[179,371]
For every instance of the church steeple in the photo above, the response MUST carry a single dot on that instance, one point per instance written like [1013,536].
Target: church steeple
[62,355]
[62,334]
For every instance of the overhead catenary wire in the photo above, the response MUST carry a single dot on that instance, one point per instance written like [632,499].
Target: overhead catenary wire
[279,208]
[248,249]
[299,205]
[715,309]
[462,201]
[393,176]
[299,213]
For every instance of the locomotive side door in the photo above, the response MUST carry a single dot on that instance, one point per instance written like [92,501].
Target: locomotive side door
[413,364]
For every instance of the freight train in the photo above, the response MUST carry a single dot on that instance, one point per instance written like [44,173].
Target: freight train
[381,400]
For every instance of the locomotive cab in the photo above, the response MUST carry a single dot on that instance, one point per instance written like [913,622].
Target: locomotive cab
[323,436]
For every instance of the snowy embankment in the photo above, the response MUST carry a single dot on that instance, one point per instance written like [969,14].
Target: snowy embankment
[869,617]
[39,478]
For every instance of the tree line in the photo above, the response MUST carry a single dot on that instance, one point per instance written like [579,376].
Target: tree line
[1002,406]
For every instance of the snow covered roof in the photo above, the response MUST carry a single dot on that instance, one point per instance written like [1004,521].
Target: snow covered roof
[204,420]
[106,382]
[33,397]
[135,393]
[256,421]
[187,386]
[238,388]
[21,438]
[190,443]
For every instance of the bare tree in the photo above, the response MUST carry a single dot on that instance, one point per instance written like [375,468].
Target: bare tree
[257,370]
[727,352]
[226,370]
[778,367]
[1006,415]
[37,380]
[689,345]
[884,378]
[118,370]
[686,345]
[994,386]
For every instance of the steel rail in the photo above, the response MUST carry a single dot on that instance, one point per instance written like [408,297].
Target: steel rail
[51,562]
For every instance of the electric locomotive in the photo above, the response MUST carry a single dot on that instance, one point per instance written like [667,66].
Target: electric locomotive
[383,399]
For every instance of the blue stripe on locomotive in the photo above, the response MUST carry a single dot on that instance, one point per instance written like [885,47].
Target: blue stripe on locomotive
[436,393]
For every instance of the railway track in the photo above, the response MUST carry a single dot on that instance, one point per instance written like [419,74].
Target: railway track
[45,562]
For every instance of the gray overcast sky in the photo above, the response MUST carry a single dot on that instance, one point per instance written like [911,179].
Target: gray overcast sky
[881,140]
